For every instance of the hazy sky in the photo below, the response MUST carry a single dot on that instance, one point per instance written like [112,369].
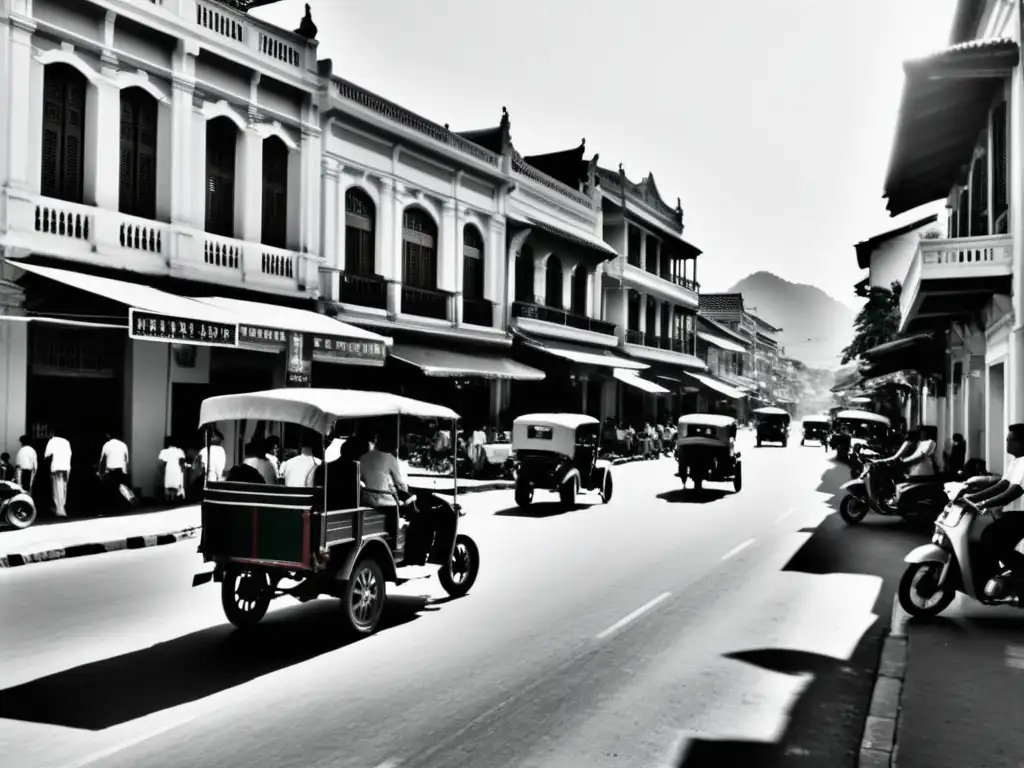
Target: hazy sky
[771,119]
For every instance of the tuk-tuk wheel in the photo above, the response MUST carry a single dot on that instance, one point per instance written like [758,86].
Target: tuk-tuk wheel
[459,575]
[363,597]
[524,494]
[737,479]
[245,596]
[19,514]
[803,441]
[567,493]
[607,487]
[759,442]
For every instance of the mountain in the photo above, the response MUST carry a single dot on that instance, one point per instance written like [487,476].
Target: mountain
[815,327]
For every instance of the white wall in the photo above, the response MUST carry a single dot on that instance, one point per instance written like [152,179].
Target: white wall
[13,383]
[891,260]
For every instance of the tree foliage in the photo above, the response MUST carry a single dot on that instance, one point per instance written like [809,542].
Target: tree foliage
[877,322]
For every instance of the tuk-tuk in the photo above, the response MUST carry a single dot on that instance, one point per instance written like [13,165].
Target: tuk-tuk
[815,428]
[558,452]
[772,425]
[850,427]
[324,538]
[706,450]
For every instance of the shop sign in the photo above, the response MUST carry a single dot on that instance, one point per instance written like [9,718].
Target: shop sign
[346,349]
[255,334]
[299,360]
[149,326]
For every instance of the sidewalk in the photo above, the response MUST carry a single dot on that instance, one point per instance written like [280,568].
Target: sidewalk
[962,691]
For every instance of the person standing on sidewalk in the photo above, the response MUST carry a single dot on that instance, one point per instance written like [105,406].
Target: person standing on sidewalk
[26,464]
[113,473]
[172,462]
[58,451]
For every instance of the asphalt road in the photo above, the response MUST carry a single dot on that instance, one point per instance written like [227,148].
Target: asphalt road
[661,629]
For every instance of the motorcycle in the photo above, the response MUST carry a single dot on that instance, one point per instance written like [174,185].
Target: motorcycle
[879,491]
[954,562]
[17,509]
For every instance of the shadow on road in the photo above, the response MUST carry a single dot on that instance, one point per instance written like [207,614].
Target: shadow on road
[826,724]
[538,510]
[114,691]
[692,496]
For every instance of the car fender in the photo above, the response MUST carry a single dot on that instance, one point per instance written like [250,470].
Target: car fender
[855,487]
[602,464]
[22,496]
[927,553]
[375,548]
[571,474]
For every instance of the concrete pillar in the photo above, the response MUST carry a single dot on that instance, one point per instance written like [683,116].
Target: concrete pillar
[593,296]
[13,383]
[1015,182]
[147,392]
[329,229]
[249,187]
[643,251]
[540,266]
[22,85]
[657,318]
[568,274]
[449,250]
[184,166]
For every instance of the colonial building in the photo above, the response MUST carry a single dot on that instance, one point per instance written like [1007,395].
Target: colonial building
[725,351]
[159,220]
[759,362]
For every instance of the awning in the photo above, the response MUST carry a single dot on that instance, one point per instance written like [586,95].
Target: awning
[718,386]
[153,315]
[266,326]
[718,341]
[632,378]
[905,344]
[446,363]
[589,242]
[944,107]
[585,356]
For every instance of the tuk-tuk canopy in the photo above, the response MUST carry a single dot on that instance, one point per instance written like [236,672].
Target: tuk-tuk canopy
[568,420]
[707,419]
[771,410]
[315,409]
[863,416]
[820,418]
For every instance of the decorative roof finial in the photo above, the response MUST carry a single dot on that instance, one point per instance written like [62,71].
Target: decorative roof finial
[621,171]
[307,28]
[446,127]
[506,132]
[679,205]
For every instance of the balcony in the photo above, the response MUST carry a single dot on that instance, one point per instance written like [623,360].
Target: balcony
[425,302]
[104,238]
[559,324]
[679,291]
[662,349]
[953,278]
[478,312]
[359,290]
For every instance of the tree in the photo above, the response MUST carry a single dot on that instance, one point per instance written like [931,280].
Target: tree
[877,322]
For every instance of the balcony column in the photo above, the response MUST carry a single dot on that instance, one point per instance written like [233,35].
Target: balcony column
[515,244]
[249,171]
[332,283]
[389,252]
[336,220]
[452,222]
[657,319]
[657,257]
[593,294]
[568,273]
[495,276]
[643,250]
[23,78]
[184,207]
[103,126]
[540,267]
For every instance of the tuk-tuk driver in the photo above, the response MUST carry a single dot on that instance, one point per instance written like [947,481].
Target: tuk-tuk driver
[385,483]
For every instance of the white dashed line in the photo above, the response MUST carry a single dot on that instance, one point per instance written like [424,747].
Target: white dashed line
[736,550]
[784,515]
[1015,656]
[634,615]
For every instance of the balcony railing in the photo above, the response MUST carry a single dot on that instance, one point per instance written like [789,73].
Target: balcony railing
[118,240]
[359,290]
[424,302]
[561,317]
[278,47]
[477,312]
[654,341]
[685,282]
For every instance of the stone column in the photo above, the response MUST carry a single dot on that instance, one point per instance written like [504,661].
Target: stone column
[184,165]
[568,272]
[249,187]
[495,275]
[18,89]
[540,266]
[388,253]
[643,250]
[657,318]
[103,126]
[594,281]
[329,222]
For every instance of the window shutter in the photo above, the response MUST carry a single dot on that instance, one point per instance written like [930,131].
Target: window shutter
[220,172]
[366,253]
[275,193]
[126,198]
[999,161]
[145,159]
[53,131]
[353,258]
[74,129]
[63,130]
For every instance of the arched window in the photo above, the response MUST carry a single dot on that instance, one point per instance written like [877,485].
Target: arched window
[63,132]
[360,216]
[138,153]
[419,249]
[524,275]
[221,135]
[472,263]
[553,282]
[579,290]
[275,193]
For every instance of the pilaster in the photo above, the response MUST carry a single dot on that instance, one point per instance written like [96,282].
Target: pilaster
[387,249]
[17,88]
[540,266]
[249,186]
[568,274]
[188,170]
[330,215]
[448,249]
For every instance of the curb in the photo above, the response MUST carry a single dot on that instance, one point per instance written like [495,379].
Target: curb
[878,747]
[97,548]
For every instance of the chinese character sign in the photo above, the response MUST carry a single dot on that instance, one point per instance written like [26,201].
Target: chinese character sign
[341,349]
[149,326]
[299,360]
[259,336]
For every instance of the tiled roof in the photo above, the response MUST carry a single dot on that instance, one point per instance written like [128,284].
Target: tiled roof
[713,327]
[721,302]
[645,193]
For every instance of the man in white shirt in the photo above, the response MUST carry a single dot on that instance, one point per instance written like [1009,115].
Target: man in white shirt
[113,472]
[298,470]
[383,477]
[921,462]
[58,451]
[216,462]
[26,463]
[172,461]
[1002,536]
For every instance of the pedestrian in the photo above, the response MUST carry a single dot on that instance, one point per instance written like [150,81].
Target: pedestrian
[7,471]
[26,464]
[212,463]
[273,444]
[58,452]
[114,474]
[298,470]
[172,462]
[957,455]
[256,457]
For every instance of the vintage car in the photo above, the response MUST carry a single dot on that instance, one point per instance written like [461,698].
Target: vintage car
[852,430]
[706,450]
[17,509]
[772,425]
[258,535]
[815,428]
[558,452]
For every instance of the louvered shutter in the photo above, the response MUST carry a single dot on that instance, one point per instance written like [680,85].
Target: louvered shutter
[145,157]
[74,130]
[126,198]
[275,192]
[366,253]
[53,131]
[220,173]
[999,162]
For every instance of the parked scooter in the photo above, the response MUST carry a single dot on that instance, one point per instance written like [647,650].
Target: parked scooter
[879,490]
[17,509]
[954,562]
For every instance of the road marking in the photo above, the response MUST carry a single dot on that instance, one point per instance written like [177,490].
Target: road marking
[634,615]
[1015,656]
[784,515]
[736,550]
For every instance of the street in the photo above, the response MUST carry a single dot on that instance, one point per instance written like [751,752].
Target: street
[661,629]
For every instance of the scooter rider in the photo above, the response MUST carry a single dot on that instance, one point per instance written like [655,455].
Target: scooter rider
[921,463]
[1002,536]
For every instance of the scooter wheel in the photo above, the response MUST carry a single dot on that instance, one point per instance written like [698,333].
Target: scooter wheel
[910,597]
[853,510]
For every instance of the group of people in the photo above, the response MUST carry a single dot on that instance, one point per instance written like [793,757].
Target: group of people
[650,440]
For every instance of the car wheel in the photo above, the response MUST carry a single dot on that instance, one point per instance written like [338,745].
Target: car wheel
[20,514]
[737,479]
[363,597]
[567,493]
[609,486]
[459,575]
[245,596]
[524,494]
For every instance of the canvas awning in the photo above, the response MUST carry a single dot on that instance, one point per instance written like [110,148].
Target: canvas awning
[446,363]
[632,378]
[718,341]
[585,355]
[153,315]
[718,386]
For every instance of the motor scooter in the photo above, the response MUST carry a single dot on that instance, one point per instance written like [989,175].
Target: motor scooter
[17,509]
[955,561]
[878,490]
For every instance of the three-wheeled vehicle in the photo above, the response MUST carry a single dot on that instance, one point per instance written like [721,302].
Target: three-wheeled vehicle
[851,428]
[321,537]
[706,450]
[815,428]
[772,425]
[559,452]
[17,509]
